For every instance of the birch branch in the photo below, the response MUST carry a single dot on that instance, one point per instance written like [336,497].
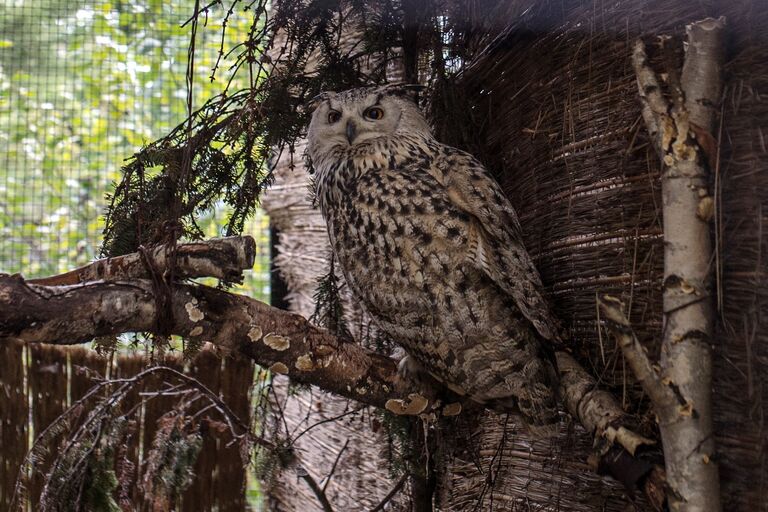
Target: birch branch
[683,136]
[616,443]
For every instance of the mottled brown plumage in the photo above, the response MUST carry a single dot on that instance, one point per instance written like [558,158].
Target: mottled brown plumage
[431,246]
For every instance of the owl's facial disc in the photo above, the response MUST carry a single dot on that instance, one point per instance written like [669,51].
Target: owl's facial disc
[359,118]
[362,120]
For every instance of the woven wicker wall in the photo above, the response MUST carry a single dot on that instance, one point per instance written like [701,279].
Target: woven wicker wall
[551,106]
[556,115]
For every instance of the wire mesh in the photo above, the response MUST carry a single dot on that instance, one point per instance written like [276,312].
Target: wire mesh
[83,86]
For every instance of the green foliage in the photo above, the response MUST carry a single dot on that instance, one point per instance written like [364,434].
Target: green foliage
[220,153]
[171,460]
[83,476]
[399,451]
[329,308]
[83,85]
[89,447]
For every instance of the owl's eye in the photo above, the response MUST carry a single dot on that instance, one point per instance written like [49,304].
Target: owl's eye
[373,113]
[333,116]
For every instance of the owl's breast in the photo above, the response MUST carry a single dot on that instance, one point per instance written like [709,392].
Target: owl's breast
[401,243]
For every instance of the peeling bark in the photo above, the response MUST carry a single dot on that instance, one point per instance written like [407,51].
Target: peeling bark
[684,384]
[616,442]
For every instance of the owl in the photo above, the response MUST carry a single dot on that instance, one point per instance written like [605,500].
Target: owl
[429,244]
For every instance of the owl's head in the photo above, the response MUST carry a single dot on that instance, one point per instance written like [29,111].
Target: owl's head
[357,116]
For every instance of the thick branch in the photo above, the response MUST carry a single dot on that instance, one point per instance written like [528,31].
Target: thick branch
[686,358]
[223,258]
[284,342]
[615,440]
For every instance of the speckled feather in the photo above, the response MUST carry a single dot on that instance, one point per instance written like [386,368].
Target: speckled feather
[431,246]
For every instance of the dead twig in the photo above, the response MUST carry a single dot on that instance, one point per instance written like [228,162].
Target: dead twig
[391,494]
[319,493]
[333,467]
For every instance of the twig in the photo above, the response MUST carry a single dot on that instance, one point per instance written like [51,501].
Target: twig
[321,497]
[390,494]
[327,420]
[634,353]
[333,468]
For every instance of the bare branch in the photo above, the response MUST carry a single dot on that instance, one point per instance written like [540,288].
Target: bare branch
[391,494]
[320,493]
[654,106]
[284,342]
[333,467]
[223,258]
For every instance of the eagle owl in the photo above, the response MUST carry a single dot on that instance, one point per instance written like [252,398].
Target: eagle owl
[430,245]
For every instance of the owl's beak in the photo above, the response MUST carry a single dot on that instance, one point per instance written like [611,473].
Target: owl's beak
[351,131]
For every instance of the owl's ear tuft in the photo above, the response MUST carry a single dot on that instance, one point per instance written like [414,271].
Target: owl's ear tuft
[410,91]
[315,102]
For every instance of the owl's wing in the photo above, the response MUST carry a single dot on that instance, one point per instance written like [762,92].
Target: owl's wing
[495,235]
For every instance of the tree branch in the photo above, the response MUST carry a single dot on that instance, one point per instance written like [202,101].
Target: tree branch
[686,358]
[616,442]
[223,258]
[281,341]
[319,493]
[390,494]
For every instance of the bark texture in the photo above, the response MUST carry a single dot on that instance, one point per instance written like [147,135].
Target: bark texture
[682,391]
[222,258]
[281,341]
